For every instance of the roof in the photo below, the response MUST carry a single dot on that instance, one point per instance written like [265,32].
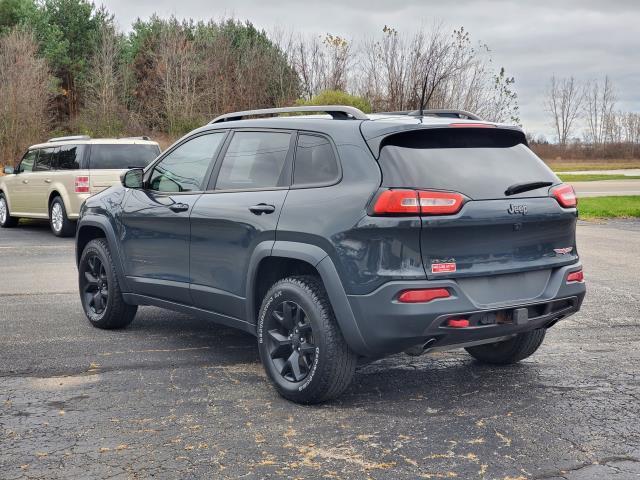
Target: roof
[95,141]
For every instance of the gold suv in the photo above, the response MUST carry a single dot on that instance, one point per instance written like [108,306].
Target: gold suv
[54,178]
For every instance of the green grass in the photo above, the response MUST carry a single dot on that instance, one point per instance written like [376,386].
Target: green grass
[574,166]
[591,177]
[609,207]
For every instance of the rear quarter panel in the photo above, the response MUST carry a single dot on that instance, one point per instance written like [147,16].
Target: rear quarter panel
[364,250]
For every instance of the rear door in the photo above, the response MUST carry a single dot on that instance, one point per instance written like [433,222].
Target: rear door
[40,181]
[496,230]
[155,228]
[240,209]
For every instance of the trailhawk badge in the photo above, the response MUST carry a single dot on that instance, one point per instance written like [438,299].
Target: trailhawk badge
[563,251]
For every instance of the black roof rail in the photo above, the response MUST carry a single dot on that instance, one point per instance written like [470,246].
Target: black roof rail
[338,112]
[438,112]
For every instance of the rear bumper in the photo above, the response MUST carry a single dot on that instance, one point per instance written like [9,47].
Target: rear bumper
[388,326]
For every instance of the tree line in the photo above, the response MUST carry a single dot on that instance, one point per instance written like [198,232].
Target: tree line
[66,68]
[591,106]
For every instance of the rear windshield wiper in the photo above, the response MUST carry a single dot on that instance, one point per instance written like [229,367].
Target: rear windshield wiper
[525,187]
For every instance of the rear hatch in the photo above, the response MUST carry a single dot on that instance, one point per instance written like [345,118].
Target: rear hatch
[107,161]
[494,230]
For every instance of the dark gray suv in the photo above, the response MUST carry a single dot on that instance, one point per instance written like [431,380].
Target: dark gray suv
[338,239]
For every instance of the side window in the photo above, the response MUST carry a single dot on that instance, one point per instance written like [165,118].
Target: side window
[28,161]
[70,157]
[254,160]
[315,161]
[183,169]
[46,160]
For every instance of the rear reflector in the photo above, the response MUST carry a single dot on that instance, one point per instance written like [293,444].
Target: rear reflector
[423,295]
[575,277]
[565,195]
[458,323]
[413,202]
[82,184]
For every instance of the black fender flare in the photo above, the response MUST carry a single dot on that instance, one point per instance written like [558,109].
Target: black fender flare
[103,224]
[322,262]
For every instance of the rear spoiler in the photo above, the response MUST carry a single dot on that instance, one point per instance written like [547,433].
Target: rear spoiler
[376,143]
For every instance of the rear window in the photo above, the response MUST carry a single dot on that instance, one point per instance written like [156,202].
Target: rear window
[121,156]
[479,163]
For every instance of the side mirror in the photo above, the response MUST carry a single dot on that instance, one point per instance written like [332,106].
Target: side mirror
[9,170]
[133,178]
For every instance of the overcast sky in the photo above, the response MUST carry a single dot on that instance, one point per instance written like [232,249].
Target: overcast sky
[532,40]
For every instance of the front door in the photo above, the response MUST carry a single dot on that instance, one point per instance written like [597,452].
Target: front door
[155,220]
[19,185]
[41,179]
[240,210]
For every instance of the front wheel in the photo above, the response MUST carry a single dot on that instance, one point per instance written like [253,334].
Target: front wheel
[61,226]
[509,351]
[100,292]
[300,343]
[6,220]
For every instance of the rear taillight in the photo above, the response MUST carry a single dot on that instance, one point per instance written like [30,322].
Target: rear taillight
[565,195]
[397,202]
[423,295]
[417,202]
[82,184]
[575,277]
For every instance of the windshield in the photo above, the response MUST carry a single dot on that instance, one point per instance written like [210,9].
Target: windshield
[122,156]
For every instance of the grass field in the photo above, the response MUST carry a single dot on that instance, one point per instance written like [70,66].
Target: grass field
[609,207]
[567,177]
[577,165]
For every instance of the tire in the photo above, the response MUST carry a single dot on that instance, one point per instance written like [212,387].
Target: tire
[509,351]
[6,220]
[325,363]
[100,292]
[60,224]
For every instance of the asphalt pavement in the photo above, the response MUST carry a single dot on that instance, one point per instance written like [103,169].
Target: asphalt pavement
[176,397]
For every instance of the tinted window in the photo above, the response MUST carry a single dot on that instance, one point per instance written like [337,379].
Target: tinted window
[479,163]
[46,160]
[26,165]
[70,157]
[183,169]
[254,160]
[121,156]
[315,161]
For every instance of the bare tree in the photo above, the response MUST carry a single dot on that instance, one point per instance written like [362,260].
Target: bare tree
[25,93]
[104,112]
[564,103]
[599,104]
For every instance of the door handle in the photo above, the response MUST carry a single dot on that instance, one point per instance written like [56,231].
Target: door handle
[47,180]
[262,208]
[179,207]
[25,181]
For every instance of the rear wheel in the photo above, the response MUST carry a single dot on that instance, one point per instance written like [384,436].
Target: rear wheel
[509,351]
[6,220]
[61,226]
[100,292]
[300,343]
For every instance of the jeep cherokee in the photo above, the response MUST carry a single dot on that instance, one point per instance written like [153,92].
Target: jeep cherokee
[338,239]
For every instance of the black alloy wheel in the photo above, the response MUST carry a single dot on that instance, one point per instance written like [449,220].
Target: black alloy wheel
[95,285]
[290,341]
